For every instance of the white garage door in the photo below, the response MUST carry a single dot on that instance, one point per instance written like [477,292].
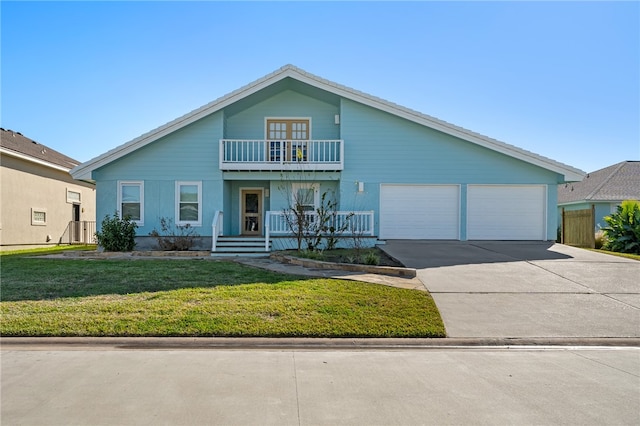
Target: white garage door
[506,212]
[419,212]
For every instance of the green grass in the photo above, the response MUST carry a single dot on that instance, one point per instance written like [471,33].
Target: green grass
[47,250]
[82,297]
[613,253]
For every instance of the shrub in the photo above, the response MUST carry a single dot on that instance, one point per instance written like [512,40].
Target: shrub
[623,230]
[600,239]
[117,234]
[178,238]
[371,258]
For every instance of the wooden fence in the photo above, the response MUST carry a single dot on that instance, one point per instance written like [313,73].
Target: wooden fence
[578,227]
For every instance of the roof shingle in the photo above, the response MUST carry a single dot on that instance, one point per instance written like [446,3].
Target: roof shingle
[614,183]
[18,143]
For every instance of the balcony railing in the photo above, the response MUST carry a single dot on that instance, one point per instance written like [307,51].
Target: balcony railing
[242,154]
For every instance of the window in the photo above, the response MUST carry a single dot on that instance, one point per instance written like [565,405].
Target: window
[73,196]
[284,133]
[189,203]
[38,217]
[131,201]
[306,195]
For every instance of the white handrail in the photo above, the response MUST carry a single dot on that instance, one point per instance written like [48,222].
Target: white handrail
[357,222]
[267,231]
[216,230]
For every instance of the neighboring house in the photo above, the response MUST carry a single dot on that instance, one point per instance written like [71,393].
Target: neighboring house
[41,203]
[602,191]
[231,163]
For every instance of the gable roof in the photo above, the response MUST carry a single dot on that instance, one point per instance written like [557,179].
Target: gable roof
[618,182]
[289,71]
[17,145]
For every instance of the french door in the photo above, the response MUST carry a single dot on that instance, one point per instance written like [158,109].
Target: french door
[287,139]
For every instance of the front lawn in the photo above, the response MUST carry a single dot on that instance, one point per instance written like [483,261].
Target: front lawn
[82,297]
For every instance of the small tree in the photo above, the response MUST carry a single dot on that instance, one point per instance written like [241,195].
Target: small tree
[117,234]
[312,226]
[623,230]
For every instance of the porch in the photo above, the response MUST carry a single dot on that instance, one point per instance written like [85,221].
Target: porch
[281,155]
[279,232]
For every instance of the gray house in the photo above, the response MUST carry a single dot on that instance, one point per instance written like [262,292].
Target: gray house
[602,190]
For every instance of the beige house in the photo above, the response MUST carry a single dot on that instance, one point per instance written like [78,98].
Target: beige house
[41,204]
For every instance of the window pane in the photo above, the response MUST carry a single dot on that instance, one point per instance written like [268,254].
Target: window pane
[189,212]
[39,217]
[132,210]
[189,193]
[73,196]
[130,193]
[305,197]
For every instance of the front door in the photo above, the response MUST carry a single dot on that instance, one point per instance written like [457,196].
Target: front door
[251,211]
[75,227]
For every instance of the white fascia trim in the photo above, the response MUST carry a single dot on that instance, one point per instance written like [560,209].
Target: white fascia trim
[33,160]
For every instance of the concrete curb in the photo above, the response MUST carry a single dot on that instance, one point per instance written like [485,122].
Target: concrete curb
[262,343]
[370,269]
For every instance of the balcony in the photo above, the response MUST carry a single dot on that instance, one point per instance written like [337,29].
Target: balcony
[281,155]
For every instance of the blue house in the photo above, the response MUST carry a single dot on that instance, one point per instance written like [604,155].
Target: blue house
[230,168]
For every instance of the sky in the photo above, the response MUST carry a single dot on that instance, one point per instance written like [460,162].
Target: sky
[560,79]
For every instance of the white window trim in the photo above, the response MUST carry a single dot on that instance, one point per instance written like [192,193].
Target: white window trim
[34,222]
[177,204]
[119,207]
[72,201]
[295,186]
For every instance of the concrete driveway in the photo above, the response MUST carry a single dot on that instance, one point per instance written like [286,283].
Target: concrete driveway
[526,289]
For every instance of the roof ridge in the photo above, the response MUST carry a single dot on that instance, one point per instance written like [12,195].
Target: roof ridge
[604,181]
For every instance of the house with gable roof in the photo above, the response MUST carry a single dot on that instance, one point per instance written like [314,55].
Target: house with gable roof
[228,168]
[41,204]
[603,191]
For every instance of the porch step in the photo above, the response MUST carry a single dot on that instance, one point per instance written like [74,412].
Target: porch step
[240,246]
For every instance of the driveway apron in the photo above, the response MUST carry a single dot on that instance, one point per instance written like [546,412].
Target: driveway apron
[526,289]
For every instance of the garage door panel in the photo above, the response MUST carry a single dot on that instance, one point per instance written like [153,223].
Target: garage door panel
[419,211]
[503,212]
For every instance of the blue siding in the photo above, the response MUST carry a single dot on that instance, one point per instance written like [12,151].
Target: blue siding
[190,154]
[383,148]
[379,148]
[250,123]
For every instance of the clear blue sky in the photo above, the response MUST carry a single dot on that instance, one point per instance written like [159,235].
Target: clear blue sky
[559,79]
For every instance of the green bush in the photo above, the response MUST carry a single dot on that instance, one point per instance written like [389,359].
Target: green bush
[371,258]
[117,234]
[623,230]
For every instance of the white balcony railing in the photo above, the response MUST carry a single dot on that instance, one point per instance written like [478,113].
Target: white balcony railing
[242,154]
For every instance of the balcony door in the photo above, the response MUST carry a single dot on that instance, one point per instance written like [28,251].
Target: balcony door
[251,208]
[283,136]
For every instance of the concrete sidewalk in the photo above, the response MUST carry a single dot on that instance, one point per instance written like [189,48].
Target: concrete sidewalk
[328,387]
